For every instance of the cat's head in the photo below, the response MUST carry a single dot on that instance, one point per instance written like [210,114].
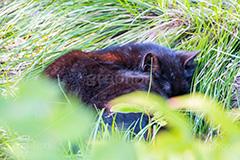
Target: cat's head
[172,71]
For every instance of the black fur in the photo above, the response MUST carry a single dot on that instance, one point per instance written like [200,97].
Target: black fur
[100,76]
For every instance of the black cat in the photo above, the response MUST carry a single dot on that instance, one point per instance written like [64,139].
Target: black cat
[100,76]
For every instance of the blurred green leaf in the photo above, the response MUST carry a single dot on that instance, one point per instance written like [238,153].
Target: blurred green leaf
[41,111]
[154,104]
[114,150]
[199,103]
[125,108]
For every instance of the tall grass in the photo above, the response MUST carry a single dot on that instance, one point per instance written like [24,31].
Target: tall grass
[34,33]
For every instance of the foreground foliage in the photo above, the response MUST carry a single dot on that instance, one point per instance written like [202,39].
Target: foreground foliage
[57,127]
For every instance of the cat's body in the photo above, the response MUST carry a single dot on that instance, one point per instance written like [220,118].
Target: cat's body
[100,76]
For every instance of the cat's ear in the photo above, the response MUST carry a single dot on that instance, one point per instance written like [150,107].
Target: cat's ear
[187,58]
[148,60]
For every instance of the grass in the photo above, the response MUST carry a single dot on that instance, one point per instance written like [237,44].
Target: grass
[34,33]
